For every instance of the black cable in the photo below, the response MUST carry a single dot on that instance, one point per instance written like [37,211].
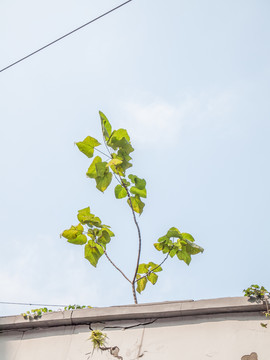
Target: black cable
[15,303]
[62,37]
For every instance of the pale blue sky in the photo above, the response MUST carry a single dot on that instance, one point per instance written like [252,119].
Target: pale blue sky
[189,80]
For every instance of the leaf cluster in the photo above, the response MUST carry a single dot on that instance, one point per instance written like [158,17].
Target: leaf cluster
[180,244]
[145,273]
[116,163]
[89,232]
[256,291]
[259,293]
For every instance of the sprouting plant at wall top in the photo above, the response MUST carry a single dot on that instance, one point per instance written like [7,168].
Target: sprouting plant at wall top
[35,314]
[95,236]
[259,293]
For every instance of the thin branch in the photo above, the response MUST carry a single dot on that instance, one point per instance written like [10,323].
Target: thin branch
[113,264]
[102,152]
[149,272]
[140,241]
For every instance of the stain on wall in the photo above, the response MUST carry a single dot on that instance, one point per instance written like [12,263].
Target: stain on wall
[252,356]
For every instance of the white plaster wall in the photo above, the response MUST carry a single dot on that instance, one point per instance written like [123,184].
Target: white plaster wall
[226,337]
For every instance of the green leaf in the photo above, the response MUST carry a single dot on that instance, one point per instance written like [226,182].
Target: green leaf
[137,191]
[164,239]
[183,255]
[105,125]
[173,251]
[120,140]
[79,240]
[137,204]
[141,284]
[187,236]
[93,252]
[165,249]
[92,171]
[193,249]
[87,146]
[174,232]
[118,135]
[152,278]
[120,192]
[108,231]
[104,239]
[139,183]
[103,182]
[142,269]
[101,168]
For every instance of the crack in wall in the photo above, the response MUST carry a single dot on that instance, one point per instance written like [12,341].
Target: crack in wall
[114,350]
[125,327]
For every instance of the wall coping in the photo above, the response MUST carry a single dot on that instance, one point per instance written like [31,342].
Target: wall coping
[167,309]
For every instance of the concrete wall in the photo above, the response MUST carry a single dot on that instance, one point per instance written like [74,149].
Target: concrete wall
[220,329]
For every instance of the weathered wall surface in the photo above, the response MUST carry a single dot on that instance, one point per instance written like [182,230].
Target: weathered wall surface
[222,335]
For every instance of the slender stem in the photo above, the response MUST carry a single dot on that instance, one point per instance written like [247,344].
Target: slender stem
[120,180]
[113,264]
[134,293]
[140,241]
[149,272]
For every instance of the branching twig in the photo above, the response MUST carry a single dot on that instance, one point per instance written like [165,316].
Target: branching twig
[113,264]
[150,271]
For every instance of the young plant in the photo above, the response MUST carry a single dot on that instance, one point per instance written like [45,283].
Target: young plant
[259,293]
[95,236]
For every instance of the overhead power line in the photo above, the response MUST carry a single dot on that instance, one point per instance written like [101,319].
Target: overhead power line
[17,303]
[62,37]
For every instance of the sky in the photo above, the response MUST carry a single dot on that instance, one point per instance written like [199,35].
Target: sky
[189,80]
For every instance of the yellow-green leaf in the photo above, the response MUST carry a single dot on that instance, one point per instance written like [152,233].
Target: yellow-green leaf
[105,125]
[87,146]
[93,252]
[187,236]
[141,284]
[73,232]
[154,267]
[183,255]
[101,168]
[136,203]
[137,191]
[120,192]
[79,240]
[159,246]
[142,269]
[92,171]
[103,182]
[114,162]
[174,232]
[152,277]
[139,183]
